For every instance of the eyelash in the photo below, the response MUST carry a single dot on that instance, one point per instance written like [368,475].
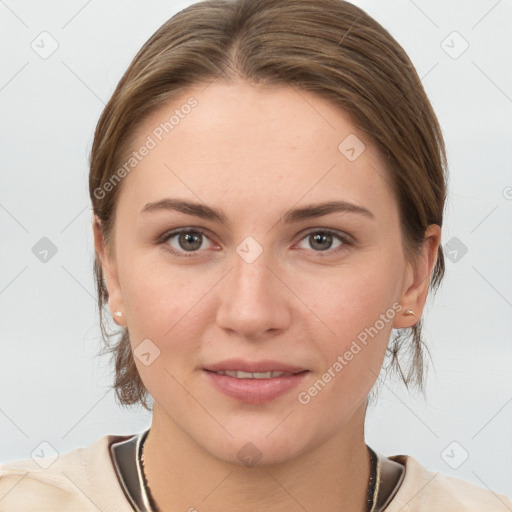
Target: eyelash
[163,239]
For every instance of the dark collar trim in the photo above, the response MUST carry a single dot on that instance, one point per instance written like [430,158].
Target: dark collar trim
[124,458]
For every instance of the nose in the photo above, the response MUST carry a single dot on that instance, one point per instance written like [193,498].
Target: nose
[254,300]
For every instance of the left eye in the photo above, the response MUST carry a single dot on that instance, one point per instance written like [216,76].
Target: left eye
[323,239]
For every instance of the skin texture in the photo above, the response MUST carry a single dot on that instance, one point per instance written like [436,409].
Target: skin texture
[256,152]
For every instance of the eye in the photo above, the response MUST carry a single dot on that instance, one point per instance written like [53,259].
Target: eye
[190,240]
[322,239]
[186,240]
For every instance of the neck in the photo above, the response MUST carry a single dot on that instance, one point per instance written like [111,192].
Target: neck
[183,476]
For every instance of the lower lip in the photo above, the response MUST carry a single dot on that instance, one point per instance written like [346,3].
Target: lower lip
[255,391]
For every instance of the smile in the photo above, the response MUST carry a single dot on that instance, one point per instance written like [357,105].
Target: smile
[256,375]
[254,387]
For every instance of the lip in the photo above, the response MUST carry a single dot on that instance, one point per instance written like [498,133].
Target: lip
[253,366]
[254,391]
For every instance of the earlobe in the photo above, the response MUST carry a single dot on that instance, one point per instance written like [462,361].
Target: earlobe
[417,282]
[117,316]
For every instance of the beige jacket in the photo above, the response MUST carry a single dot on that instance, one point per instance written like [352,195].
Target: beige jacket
[84,480]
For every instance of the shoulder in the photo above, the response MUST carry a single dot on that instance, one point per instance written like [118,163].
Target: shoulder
[81,480]
[423,490]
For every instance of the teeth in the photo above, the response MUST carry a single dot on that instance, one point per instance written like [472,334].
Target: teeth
[247,375]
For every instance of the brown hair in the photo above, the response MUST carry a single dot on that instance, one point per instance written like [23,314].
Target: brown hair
[329,47]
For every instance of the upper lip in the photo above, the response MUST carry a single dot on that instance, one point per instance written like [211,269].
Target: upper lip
[253,366]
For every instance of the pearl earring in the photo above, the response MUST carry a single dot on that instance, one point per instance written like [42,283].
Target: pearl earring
[118,313]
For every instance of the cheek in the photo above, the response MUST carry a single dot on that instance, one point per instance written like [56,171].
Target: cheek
[166,307]
[357,309]
[158,295]
[360,317]
[352,297]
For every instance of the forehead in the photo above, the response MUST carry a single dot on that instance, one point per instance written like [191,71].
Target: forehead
[255,145]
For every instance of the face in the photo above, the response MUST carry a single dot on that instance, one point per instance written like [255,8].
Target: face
[267,283]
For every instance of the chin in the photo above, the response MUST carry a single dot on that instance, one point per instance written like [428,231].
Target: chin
[254,445]
[255,453]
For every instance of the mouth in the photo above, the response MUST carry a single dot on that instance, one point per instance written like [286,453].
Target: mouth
[254,383]
[253,367]
[238,374]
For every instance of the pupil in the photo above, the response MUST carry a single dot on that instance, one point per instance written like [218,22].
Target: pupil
[189,238]
[319,237]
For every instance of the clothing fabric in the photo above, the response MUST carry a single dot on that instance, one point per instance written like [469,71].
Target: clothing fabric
[84,480]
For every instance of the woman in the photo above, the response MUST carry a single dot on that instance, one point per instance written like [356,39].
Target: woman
[268,183]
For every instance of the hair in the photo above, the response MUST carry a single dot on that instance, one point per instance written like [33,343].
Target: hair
[329,47]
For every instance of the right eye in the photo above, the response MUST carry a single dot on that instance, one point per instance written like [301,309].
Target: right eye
[186,240]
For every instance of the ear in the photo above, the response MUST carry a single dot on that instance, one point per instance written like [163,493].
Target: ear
[417,279]
[110,274]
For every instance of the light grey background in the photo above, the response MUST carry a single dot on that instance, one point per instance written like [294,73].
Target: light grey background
[53,386]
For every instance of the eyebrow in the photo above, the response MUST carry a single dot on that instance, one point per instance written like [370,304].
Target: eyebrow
[293,215]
